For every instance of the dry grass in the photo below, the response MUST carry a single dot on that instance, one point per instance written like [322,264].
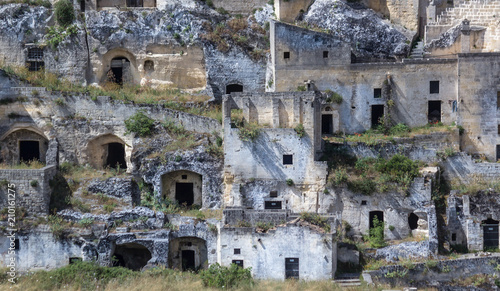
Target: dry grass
[474,184]
[31,165]
[207,213]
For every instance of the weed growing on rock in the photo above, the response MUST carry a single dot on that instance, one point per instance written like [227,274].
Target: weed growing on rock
[140,124]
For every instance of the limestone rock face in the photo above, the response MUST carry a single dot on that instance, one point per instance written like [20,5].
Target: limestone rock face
[369,35]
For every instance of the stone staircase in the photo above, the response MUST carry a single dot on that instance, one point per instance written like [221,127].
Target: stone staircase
[479,12]
[418,51]
[347,280]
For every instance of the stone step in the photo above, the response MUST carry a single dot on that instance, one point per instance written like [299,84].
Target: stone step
[347,282]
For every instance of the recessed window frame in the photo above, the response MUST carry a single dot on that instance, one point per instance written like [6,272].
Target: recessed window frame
[287,160]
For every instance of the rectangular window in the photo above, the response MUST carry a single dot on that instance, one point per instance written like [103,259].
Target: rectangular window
[499,129]
[286,55]
[453,236]
[16,244]
[498,152]
[291,268]
[239,263]
[272,204]
[35,66]
[325,54]
[363,202]
[35,53]
[287,159]
[184,177]
[377,93]
[273,194]
[237,251]
[498,99]
[434,87]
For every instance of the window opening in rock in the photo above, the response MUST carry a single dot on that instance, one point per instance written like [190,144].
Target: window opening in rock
[272,204]
[135,3]
[237,251]
[325,54]
[377,93]
[149,66]
[273,194]
[233,88]
[286,55]
[75,260]
[287,159]
[434,87]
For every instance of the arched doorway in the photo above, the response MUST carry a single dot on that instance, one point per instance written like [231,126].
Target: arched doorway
[187,253]
[22,146]
[132,256]
[107,151]
[183,186]
[233,88]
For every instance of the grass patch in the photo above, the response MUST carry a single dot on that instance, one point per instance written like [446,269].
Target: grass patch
[31,165]
[474,184]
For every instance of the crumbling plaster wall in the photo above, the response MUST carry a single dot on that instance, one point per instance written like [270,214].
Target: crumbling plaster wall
[395,206]
[33,198]
[265,253]
[262,158]
[40,250]
[479,113]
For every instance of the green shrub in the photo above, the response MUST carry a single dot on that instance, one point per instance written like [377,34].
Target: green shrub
[376,236]
[249,132]
[34,183]
[301,88]
[56,225]
[333,97]
[265,226]
[338,177]
[399,129]
[64,12]
[316,219]
[365,186]
[218,276]
[299,129]
[59,101]
[289,182]
[86,222]
[140,124]
[398,166]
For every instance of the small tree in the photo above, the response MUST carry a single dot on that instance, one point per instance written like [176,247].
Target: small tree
[376,237]
[140,124]
[64,12]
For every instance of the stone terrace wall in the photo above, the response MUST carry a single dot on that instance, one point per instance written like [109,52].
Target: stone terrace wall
[34,199]
[444,271]
[461,166]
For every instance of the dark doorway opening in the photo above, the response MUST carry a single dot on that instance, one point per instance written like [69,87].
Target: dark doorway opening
[377,114]
[116,73]
[82,5]
[326,124]
[134,3]
[116,156]
[188,262]
[132,256]
[490,234]
[434,111]
[29,150]
[272,205]
[378,214]
[291,268]
[233,88]
[184,193]
[413,221]
[498,152]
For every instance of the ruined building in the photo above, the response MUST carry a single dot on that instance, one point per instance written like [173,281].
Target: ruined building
[434,62]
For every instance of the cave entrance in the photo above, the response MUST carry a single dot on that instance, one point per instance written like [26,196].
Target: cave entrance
[29,150]
[119,66]
[377,114]
[132,256]
[233,88]
[376,214]
[188,261]
[413,221]
[490,234]
[326,124]
[184,193]
[116,156]
[434,111]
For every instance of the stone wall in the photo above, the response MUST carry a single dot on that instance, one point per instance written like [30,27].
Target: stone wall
[396,208]
[289,10]
[478,109]
[239,7]
[444,272]
[265,253]
[463,168]
[235,215]
[34,197]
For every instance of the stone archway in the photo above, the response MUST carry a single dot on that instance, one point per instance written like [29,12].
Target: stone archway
[23,145]
[183,186]
[133,256]
[107,151]
[187,253]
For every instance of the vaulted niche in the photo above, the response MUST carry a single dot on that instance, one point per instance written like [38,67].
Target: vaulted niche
[183,186]
[187,253]
[132,256]
[107,151]
[233,88]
